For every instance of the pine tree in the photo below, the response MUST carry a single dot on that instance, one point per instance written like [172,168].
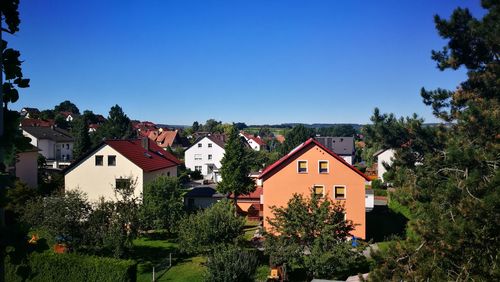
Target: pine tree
[236,168]
[453,195]
[82,137]
[117,126]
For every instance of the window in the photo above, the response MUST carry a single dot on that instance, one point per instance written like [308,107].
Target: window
[122,183]
[111,160]
[323,166]
[339,192]
[302,166]
[198,168]
[67,146]
[209,145]
[319,190]
[98,160]
[168,173]
[199,145]
[197,157]
[209,157]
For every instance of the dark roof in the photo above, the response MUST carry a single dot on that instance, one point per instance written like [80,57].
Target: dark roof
[155,158]
[203,192]
[338,145]
[219,139]
[303,146]
[51,133]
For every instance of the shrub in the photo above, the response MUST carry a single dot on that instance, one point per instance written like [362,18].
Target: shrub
[231,263]
[205,230]
[71,267]
[377,184]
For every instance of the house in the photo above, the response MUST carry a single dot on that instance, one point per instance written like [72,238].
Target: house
[37,122]
[250,205]
[202,197]
[384,156]
[280,138]
[26,167]
[205,155]
[256,143]
[30,112]
[341,146]
[68,116]
[312,166]
[116,163]
[55,144]
[167,138]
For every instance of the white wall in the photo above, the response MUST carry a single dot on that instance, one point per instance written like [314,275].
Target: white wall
[216,151]
[369,200]
[385,157]
[253,145]
[348,159]
[99,181]
[27,168]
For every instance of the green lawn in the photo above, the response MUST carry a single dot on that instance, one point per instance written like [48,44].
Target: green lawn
[149,253]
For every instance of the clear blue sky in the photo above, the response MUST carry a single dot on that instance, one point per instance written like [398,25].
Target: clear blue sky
[253,61]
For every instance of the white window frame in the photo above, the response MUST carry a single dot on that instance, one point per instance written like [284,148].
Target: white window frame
[335,194]
[209,145]
[198,157]
[198,166]
[327,166]
[209,156]
[298,166]
[200,145]
[319,185]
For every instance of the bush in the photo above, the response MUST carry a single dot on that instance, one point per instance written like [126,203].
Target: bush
[377,184]
[71,267]
[230,263]
[196,175]
[204,231]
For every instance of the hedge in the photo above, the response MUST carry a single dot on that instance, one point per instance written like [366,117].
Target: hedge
[53,267]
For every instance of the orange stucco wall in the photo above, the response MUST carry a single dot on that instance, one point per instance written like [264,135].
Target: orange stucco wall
[279,186]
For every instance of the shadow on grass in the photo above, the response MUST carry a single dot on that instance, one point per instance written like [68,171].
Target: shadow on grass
[383,223]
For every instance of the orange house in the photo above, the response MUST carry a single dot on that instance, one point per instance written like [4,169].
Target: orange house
[312,165]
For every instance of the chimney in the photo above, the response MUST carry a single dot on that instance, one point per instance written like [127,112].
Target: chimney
[145,143]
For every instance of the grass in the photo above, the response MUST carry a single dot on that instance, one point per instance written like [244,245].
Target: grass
[151,252]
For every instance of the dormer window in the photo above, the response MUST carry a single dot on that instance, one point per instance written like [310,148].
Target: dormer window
[323,166]
[302,166]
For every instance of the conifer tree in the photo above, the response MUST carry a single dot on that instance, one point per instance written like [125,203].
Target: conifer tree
[82,137]
[236,167]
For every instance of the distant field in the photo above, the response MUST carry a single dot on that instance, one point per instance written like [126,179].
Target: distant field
[274,130]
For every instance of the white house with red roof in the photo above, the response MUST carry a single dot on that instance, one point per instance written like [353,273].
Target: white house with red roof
[205,155]
[255,142]
[116,163]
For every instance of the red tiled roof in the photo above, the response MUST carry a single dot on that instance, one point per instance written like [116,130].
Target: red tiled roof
[253,195]
[166,138]
[280,138]
[302,146]
[148,160]
[37,122]
[258,141]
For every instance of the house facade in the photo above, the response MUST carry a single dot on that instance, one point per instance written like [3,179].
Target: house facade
[312,166]
[342,146]
[205,155]
[256,143]
[55,144]
[384,157]
[26,166]
[115,163]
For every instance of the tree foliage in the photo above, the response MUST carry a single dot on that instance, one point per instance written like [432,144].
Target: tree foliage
[162,205]
[67,106]
[311,233]
[205,230]
[80,131]
[231,263]
[293,138]
[236,167]
[117,126]
[453,195]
